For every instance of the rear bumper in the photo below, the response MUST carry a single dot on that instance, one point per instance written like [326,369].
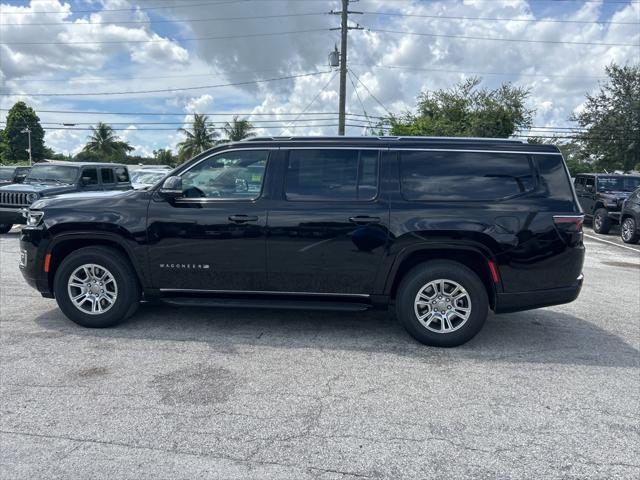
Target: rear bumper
[11,216]
[516,302]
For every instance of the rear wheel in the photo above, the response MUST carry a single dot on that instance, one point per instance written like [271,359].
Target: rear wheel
[5,227]
[96,287]
[442,303]
[601,221]
[629,231]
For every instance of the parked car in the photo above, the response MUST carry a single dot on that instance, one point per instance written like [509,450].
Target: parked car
[12,174]
[601,196]
[630,218]
[49,179]
[444,229]
[146,178]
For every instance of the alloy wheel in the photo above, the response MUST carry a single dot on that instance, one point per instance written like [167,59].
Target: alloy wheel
[92,289]
[442,306]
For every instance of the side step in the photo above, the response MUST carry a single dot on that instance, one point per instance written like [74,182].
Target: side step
[262,303]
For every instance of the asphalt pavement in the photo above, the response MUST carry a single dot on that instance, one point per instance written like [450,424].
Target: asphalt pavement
[189,393]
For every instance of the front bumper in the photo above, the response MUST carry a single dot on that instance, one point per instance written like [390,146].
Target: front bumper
[11,216]
[33,249]
[516,302]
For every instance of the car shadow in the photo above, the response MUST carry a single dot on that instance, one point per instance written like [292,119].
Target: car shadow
[538,336]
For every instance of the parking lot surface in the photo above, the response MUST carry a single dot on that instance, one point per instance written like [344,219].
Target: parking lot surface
[213,393]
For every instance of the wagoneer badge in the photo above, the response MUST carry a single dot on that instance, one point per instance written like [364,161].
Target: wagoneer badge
[186,266]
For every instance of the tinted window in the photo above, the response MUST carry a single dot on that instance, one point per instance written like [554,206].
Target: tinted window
[464,175]
[333,175]
[589,184]
[107,175]
[90,176]
[227,176]
[618,184]
[122,174]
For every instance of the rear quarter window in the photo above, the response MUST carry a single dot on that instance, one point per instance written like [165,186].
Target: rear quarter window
[122,174]
[464,176]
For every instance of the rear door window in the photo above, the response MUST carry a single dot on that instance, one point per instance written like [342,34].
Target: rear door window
[106,174]
[464,176]
[332,175]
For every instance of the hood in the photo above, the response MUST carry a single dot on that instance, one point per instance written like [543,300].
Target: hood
[99,199]
[40,188]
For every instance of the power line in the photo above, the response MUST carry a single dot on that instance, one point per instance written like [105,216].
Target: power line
[150,21]
[355,89]
[311,102]
[497,19]
[143,114]
[371,94]
[164,90]
[419,69]
[174,6]
[495,39]
[222,37]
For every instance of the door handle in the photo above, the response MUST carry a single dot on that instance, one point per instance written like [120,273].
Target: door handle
[243,218]
[363,219]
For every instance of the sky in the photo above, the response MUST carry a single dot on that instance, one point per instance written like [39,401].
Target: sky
[147,65]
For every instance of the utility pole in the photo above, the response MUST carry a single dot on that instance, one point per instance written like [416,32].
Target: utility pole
[27,130]
[344,29]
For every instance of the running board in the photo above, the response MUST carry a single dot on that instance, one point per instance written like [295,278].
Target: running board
[262,303]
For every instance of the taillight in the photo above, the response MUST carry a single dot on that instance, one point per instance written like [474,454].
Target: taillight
[570,227]
[569,223]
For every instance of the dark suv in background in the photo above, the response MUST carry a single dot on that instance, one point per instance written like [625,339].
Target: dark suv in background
[630,218]
[444,229]
[601,196]
[48,179]
[11,174]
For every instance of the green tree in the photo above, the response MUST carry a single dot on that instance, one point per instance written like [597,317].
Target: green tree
[104,145]
[201,137]
[164,156]
[21,116]
[238,129]
[612,120]
[467,111]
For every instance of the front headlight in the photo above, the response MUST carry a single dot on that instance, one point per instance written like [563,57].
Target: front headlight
[32,197]
[34,218]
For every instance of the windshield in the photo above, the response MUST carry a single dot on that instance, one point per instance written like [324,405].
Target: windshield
[52,173]
[6,173]
[618,184]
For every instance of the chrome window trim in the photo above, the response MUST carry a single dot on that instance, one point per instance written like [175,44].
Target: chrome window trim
[470,151]
[264,292]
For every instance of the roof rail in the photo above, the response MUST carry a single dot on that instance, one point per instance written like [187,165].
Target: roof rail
[388,138]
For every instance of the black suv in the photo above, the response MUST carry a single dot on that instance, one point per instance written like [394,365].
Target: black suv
[601,196]
[445,229]
[48,179]
[630,218]
[9,175]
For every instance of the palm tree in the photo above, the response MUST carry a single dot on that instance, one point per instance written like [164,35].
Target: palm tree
[164,156]
[238,129]
[200,138]
[104,143]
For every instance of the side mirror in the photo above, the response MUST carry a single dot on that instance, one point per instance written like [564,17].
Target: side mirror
[171,187]
[241,185]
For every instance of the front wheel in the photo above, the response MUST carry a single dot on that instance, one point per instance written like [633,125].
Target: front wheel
[442,303]
[629,231]
[96,287]
[601,221]
[5,227]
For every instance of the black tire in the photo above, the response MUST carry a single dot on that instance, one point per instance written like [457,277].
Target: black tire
[629,231]
[128,289]
[601,221]
[5,227]
[420,276]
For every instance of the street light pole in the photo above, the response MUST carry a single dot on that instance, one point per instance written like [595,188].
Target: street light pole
[27,130]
